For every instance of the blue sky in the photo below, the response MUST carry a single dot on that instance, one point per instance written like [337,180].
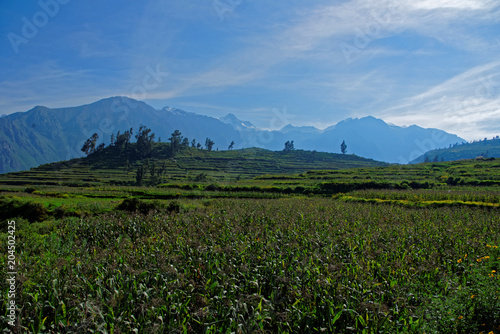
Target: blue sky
[430,63]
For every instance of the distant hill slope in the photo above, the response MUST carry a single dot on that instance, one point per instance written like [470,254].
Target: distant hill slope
[106,167]
[485,148]
[42,135]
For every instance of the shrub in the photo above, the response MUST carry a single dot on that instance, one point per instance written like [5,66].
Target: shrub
[174,206]
[202,177]
[30,190]
[211,187]
[135,204]
[32,211]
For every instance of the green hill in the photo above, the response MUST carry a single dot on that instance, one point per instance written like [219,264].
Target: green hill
[109,167]
[485,148]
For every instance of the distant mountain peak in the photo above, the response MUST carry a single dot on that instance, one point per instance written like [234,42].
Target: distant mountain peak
[235,122]
[177,111]
[305,129]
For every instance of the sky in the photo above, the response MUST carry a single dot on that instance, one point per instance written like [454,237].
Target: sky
[435,64]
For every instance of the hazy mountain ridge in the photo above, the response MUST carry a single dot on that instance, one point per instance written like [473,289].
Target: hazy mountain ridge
[485,148]
[42,135]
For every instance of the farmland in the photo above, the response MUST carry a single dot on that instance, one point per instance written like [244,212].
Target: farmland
[228,248]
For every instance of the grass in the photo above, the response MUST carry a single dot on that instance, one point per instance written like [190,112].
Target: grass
[398,249]
[287,265]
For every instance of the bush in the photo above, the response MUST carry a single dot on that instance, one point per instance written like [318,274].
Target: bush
[30,190]
[35,211]
[211,187]
[32,211]
[135,204]
[174,206]
[202,177]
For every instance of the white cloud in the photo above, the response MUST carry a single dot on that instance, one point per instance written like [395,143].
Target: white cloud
[467,105]
[457,4]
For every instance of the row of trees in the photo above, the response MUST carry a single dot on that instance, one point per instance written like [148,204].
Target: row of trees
[145,140]
[144,143]
[177,142]
[289,146]
[436,159]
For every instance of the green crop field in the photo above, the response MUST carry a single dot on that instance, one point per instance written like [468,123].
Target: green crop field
[252,242]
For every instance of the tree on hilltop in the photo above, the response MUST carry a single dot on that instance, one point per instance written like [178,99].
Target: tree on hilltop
[145,140]
[343,147]
[123,140]
[90,144]
[175,141]
[289,146]
[209,144]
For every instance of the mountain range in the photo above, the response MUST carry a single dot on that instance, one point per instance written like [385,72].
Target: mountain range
[482,148]
[42,135]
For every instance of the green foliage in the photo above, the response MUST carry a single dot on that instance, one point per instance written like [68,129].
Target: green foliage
[174,206]
[289,146]
[202,177]
[292,265]
[209,144]
[89,146]
[144,142]
[485,148]
[32,211]
[175,142]
[135,204]
[343,147]
[406,249]
[472,302]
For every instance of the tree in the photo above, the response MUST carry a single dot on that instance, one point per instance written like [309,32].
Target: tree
[139,176]
[289,146]
[231,145]
[427,159]
[175,141]
[152,170]
[185,142]
[343,147]
[144,142]
[100,147]
[113,139]
[89,145]
[123,140]
[198,146]
[193,143]
[436,159]
[209,144]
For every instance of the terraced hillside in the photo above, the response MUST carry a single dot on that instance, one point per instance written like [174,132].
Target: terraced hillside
[109,168]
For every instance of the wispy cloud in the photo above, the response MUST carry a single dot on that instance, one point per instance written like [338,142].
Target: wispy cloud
[357,23]
[325,60]
[468,104]
[50,85]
